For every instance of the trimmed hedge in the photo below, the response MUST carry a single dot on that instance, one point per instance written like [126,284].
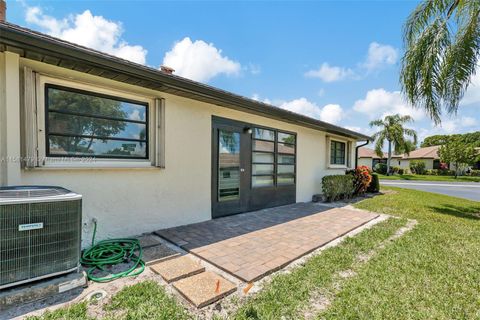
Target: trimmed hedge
[337,187]
[374,185]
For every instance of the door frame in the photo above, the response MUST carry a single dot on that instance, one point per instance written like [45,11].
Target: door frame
[221,209]
[251,198]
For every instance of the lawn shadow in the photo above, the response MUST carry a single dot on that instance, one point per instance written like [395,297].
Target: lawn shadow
[472,213]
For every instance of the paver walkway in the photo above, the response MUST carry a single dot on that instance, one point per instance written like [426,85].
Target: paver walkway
[252,245]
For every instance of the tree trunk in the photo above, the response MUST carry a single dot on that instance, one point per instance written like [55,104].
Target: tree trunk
[456,170]
[389,159]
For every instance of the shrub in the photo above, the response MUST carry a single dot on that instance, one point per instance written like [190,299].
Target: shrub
[474,173]
[380,168]
[337,187]
[375,184]
[417,166]
[362,176]
[394,169]
[401,171]
[446,172]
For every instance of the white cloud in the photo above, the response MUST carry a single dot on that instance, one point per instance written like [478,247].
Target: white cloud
[329,73]
[367,131]
[253,68]
[199,60]
[88,30]
[379,103]
[380,55]
[449,126]
[331,113]
[257,97]
[472,95]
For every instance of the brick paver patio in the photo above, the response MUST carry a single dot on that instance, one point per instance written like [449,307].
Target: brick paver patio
[254,244]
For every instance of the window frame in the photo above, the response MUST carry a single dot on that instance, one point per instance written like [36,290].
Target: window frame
[99,95]
[348,149]
[35,127]
[275,154]
[333,148]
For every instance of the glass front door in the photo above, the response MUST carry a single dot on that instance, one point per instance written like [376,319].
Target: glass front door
[229,169]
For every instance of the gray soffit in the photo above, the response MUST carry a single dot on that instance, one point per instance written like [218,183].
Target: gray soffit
[40,47]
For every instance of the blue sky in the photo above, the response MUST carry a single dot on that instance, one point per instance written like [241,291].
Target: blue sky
[337,61]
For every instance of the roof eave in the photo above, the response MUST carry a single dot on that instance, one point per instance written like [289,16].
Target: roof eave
[20,38]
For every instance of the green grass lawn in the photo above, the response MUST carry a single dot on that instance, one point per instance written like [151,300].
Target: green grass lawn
[429,178]
[431,272]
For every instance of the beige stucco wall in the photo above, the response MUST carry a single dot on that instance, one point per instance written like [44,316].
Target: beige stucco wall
[365,162]
[405,163]
[131,201]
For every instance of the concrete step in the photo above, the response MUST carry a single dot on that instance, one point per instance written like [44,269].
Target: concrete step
[177,268]
[204,288]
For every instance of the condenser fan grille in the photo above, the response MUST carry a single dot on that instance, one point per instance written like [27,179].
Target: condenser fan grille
[31,192]
[39,238]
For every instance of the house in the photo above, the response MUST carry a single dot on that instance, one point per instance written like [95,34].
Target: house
[368,157]
[148,149]
[429,155]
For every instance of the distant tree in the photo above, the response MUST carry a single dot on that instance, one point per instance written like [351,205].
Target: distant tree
[392,132]
[438,140]
[458,153]
[442,47]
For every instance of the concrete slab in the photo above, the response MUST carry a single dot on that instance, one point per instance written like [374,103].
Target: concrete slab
[158,253]
[177,268]
[38,290]
[204,288]
[148,240]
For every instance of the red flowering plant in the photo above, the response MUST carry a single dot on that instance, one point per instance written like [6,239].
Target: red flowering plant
[362,176]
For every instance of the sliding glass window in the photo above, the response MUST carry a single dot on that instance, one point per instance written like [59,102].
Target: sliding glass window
[87,124]
[273,158]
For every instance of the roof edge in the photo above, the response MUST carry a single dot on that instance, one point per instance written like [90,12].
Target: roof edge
[26,39]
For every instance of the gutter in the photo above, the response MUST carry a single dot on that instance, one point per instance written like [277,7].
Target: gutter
[356,151]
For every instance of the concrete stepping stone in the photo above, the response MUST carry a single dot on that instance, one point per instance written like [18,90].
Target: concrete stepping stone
[204,288]
[177,268]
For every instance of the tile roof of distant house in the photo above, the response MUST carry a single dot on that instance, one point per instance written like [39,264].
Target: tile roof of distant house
[47,49]
[369,153]
[423,153]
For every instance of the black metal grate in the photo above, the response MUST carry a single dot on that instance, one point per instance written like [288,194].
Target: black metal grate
[33,253]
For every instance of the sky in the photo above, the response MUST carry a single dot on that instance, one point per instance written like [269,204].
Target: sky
[337,61]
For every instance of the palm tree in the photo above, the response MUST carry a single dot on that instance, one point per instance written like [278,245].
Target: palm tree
[394,133]
[442,42]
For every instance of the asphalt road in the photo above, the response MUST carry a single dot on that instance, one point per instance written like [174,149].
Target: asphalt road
[466,190]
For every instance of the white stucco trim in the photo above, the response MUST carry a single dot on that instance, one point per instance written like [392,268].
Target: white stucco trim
[348,155]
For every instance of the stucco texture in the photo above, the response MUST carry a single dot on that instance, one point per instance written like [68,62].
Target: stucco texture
[132,201]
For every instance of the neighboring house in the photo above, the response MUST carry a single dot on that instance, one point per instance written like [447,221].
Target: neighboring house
[429,155]
[148,149]
[368,157]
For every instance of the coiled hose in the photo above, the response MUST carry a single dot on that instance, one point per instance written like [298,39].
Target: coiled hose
[107,253]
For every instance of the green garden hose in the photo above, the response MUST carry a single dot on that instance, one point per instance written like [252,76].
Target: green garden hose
[107,253]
